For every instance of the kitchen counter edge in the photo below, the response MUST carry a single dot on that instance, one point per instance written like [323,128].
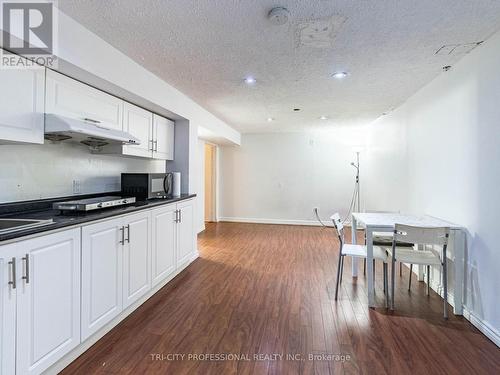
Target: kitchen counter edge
[69,221]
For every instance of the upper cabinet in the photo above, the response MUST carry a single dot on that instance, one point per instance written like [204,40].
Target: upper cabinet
[70,98]
[155,132]
[21,105]
[139,123]
[163,138]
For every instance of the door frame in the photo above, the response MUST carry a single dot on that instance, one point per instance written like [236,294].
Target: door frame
[214,217]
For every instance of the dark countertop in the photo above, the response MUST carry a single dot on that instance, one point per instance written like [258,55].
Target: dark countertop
[42,210]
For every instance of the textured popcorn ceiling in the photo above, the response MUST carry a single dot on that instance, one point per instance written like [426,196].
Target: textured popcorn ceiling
[206,47]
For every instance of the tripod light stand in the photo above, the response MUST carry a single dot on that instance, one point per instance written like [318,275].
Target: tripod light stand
[356,199]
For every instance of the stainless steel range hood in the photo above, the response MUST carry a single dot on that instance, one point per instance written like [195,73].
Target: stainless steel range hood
[88,132]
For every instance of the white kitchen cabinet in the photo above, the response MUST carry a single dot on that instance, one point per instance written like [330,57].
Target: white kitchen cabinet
[40,304]
[164,239]
[102,256]
[163,138]
[71,98]
[139,123]
[48,300]
[136,257]
[21,105]
[116,268]
[186,236]
[7,312]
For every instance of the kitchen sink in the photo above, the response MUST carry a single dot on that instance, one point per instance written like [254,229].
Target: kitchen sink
[13,225]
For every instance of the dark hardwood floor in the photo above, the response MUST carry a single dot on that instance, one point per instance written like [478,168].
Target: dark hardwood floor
[269,289]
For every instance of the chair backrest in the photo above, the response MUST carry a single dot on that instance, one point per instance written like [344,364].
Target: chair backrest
[421,235]
[337,223]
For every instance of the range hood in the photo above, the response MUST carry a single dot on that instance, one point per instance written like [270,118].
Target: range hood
[88,132]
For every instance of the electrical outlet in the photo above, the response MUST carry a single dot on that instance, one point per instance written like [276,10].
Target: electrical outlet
[77,187]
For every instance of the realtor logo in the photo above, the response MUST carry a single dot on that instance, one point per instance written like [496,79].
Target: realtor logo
[28,30]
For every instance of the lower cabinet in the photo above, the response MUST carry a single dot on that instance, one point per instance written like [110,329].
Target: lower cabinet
[42,286]
[102,258]
[164,221]
[7,314]
[115,268]
[173,238]
[185,232]
[59,289]
[136,257]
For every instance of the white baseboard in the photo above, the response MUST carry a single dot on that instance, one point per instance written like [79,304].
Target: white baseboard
[270,221]
[487,329]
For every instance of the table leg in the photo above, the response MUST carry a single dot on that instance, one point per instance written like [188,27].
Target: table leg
[459,254]
[369,266]
[420,269]
[354,260]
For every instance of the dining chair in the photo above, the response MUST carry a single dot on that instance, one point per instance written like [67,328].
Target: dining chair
[357,251]
[425,237]
[385,239]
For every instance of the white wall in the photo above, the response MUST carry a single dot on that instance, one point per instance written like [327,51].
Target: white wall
[45,171]
[279,178]
[453,129]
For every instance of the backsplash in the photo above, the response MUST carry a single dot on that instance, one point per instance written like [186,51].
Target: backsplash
[46,171]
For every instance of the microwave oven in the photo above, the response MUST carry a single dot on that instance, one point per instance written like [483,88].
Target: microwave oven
[147,185]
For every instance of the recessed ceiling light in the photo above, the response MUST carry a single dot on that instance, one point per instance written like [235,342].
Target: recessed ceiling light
[270,119]
[323,118]
[340,75]
[250,80]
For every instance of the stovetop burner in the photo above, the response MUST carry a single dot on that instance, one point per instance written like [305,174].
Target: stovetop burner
[91,204]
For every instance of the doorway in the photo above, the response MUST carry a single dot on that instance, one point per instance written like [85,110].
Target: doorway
[210,183]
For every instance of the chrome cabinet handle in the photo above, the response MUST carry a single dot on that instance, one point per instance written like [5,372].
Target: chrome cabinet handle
[14,277]
[122,242]
[26,277]
[176,216]
[180,216]
[152,144]
[128,233]
[156,146]
[91,120]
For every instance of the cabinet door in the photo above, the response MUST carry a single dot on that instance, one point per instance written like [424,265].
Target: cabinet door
[48,300]
[163,135]
[164,241]
[139,123]
[102,254]
[21,105]
[70,98]
[7,312]
[185,232]
[137,257]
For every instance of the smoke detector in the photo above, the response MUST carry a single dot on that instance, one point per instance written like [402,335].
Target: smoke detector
[278,16]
